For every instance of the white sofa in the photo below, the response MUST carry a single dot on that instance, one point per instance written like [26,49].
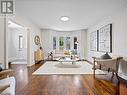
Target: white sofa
[8,81]
[61,53]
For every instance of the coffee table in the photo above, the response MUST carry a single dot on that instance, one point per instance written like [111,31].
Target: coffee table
[73,61]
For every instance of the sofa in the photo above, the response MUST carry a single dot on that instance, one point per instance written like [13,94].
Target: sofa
[110,65]
[61,53]
[120,67]
[64,53]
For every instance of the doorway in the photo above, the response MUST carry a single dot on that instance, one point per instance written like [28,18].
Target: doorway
[17,43]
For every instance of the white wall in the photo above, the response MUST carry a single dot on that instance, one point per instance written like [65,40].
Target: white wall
[83,44]
[13,37]
[46,43]
[119,29]
[48,34]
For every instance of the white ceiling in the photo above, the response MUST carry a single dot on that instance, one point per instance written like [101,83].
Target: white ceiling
[82,13]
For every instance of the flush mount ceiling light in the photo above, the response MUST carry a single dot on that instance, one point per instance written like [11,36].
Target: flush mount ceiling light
[64,18]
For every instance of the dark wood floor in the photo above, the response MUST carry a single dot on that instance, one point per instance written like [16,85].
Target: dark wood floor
[28,84]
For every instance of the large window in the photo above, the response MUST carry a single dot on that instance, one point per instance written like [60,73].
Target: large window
[64,43]
[68,45]
[54,42]
[61,43]
[75,42]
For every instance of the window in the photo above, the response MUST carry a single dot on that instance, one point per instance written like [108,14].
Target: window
[61,43]
[20,42]
[68,40]
[54,42]
[64,43]
[75,42]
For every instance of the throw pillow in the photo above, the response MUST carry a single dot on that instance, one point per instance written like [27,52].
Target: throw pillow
[106,56]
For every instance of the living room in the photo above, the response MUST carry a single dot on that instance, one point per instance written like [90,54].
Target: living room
[63,42]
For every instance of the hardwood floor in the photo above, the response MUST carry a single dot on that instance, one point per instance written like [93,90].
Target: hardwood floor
[28,84]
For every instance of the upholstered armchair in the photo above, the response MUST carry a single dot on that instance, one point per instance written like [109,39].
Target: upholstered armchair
[122,72]
[110,65]
[7,84]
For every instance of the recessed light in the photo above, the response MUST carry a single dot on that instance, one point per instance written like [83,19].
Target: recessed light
[64,18]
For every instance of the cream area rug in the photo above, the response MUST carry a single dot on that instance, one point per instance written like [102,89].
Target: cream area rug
[50,68]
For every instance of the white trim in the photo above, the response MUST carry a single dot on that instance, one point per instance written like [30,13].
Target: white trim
[19,62]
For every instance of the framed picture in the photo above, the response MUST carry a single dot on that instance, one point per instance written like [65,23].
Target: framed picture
[105,38]
[94,41]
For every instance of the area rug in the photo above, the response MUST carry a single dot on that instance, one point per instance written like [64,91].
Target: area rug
[50,68]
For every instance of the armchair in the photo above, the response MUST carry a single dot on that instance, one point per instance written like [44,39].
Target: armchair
[122,73]
[7,85]
[110,65]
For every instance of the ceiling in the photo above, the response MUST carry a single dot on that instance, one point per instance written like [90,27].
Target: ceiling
[82,13]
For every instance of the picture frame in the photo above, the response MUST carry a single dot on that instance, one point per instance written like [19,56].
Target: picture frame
[94,41]
[105,39]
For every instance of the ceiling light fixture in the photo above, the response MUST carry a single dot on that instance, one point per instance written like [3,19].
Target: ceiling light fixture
[64,18]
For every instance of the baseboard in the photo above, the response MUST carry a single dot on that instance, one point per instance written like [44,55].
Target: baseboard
[29,65]
[16,59]
[18,62]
